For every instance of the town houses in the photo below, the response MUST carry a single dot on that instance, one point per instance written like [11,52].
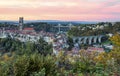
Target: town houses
[58,40]
[28,34]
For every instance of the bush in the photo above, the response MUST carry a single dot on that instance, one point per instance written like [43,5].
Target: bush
[35,63]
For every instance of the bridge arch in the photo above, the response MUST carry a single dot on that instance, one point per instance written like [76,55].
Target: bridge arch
[85,40]
[100,38]
[80,40]
[88,39]
[95,39]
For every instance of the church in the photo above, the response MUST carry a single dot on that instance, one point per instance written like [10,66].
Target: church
[26,30]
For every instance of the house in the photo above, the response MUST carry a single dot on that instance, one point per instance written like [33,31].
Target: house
[95,49]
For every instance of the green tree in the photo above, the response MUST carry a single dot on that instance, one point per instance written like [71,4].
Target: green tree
[70,43]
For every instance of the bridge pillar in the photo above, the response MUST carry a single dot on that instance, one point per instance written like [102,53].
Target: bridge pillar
[74,39]
[59,25]
[70,26]
[79,40]
[95,39]
[85,40]
[99,38]
[90,40]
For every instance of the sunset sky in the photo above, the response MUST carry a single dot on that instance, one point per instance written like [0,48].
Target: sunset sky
[80,10]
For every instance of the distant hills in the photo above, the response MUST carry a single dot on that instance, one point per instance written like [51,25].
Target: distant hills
[59,21]
[49,21]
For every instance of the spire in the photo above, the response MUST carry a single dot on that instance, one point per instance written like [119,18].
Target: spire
[70,26]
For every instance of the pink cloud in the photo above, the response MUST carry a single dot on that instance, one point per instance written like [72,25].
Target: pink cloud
[65,10]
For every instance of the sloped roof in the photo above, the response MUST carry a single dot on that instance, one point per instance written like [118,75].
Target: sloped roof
[28,28]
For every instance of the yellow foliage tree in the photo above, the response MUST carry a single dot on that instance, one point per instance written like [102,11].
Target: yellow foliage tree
[6,57]
[116,39]
[115,53]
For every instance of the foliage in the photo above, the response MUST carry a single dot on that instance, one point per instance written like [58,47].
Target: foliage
[116,39]
[70,43]
[115,53]
[32,63]
[41,73]
[10,45]
[43,47]
[40,26]
[85,30]
[29,65]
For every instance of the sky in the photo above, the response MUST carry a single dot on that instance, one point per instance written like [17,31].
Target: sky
[77,10]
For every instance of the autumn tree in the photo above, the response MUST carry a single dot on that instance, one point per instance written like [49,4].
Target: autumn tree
[115,53]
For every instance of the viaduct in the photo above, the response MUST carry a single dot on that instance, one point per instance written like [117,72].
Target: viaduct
[88,39]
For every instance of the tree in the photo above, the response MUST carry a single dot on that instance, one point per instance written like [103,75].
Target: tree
[115,53]
[116,40]
[70,43]
[43,47]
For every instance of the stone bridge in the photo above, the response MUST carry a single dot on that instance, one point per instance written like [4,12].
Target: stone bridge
[88,39]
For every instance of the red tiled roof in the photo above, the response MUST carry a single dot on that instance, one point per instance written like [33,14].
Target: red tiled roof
[95,49]
[28,28]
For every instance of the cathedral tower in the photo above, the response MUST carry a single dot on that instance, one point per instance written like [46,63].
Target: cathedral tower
[21,23]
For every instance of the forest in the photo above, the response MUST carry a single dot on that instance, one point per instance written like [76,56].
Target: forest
[30,59]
